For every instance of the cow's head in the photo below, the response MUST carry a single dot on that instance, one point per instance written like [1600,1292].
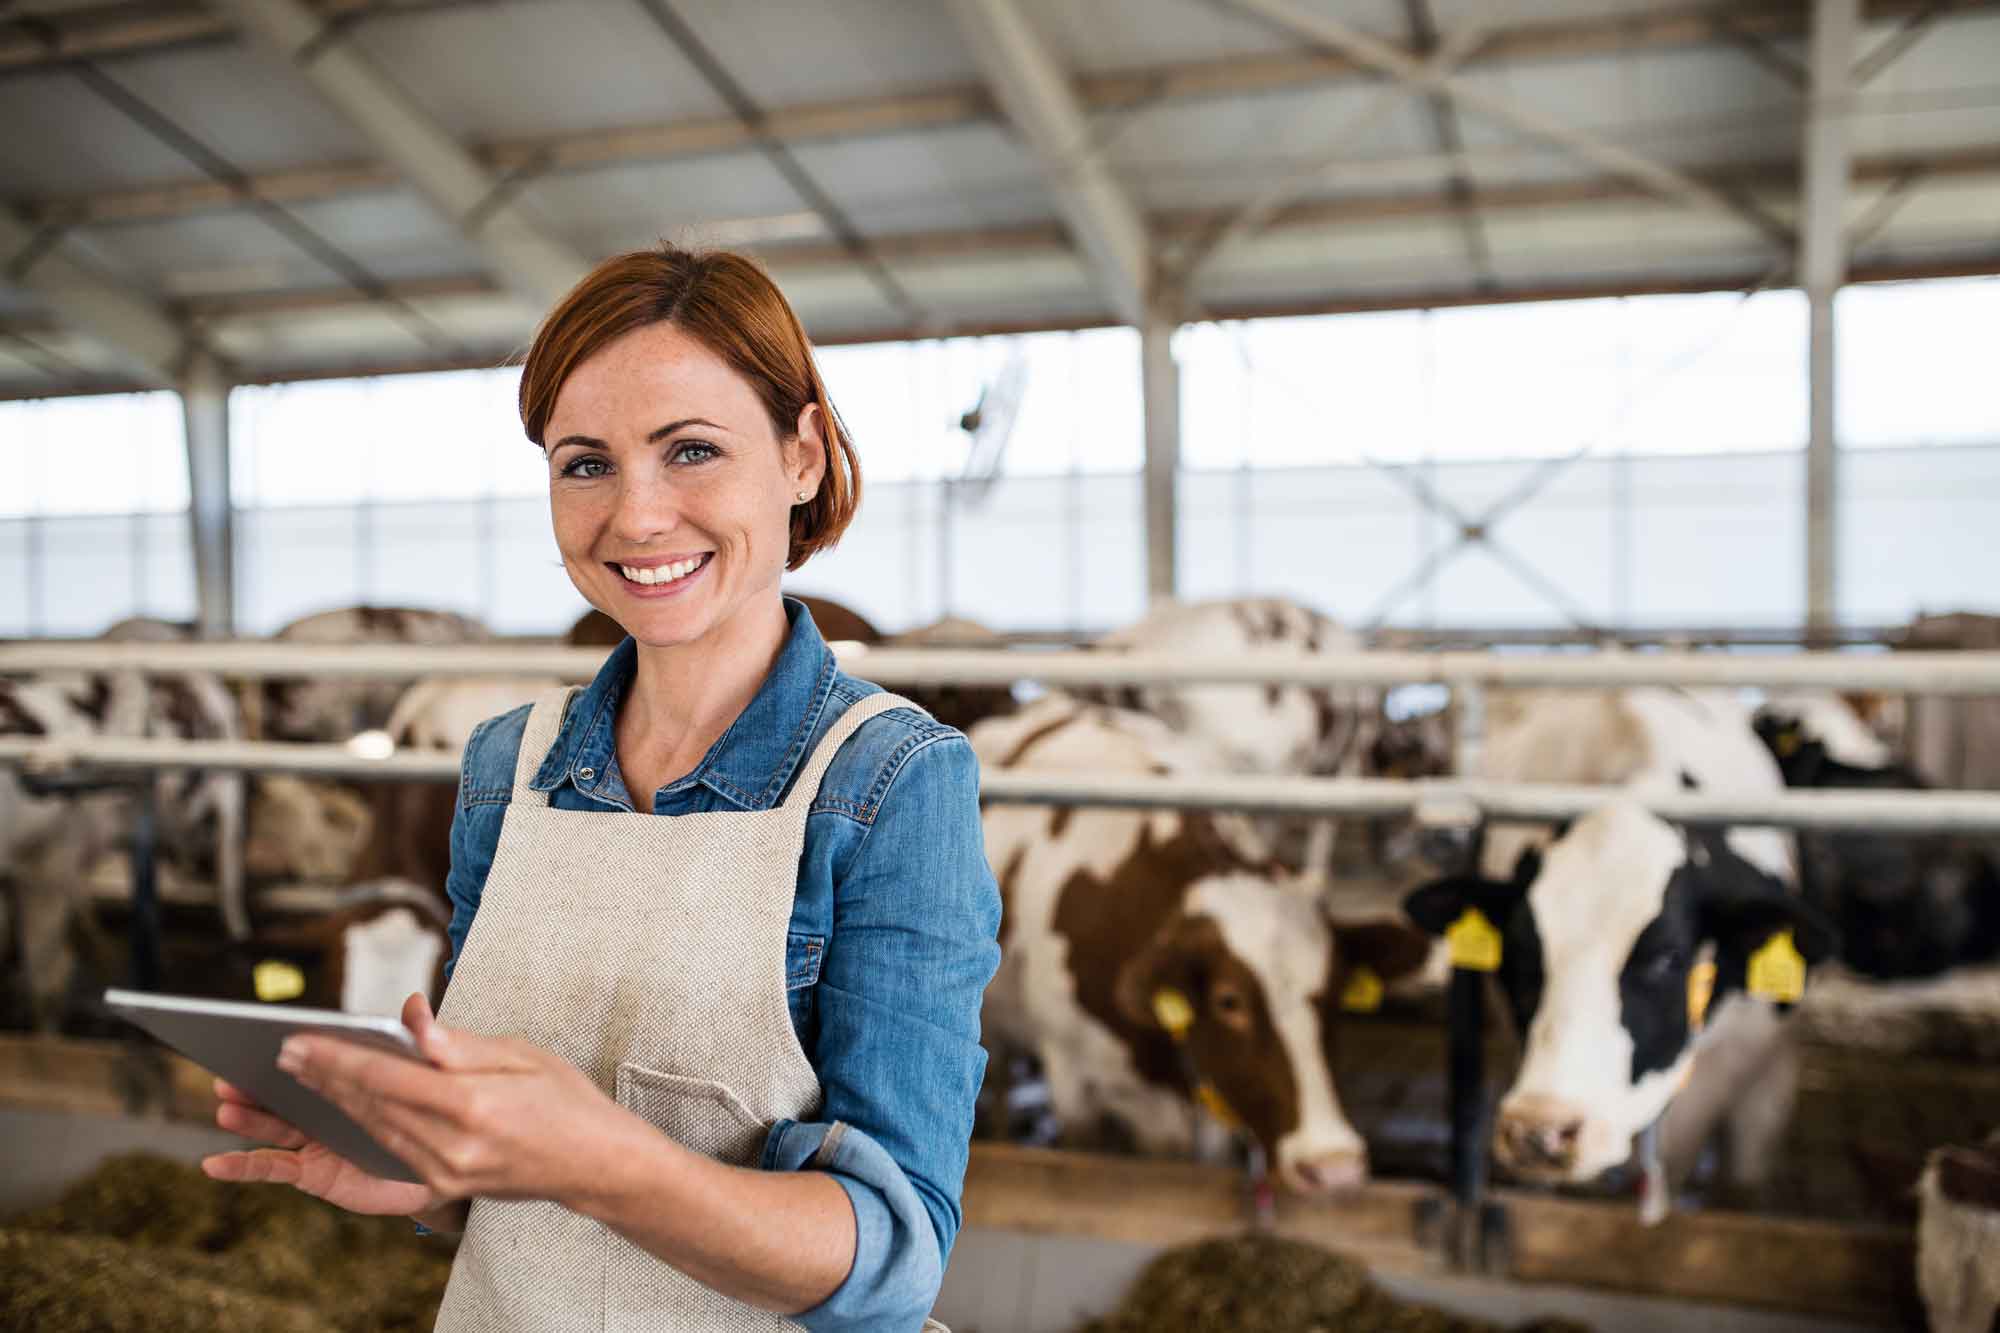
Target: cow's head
[1601,936]
[1247,981]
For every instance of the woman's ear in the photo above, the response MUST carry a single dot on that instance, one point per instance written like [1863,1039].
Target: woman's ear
[805,459]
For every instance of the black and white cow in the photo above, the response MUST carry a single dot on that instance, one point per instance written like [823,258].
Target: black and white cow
[1609,929]
[1907,906]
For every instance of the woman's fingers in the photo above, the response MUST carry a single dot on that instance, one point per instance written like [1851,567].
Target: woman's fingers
[258,1166]
[254,1123]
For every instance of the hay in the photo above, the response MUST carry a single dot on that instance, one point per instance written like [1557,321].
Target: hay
[1274,1285]
[143,1242]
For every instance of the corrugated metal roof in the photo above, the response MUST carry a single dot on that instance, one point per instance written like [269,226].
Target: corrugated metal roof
[597,123]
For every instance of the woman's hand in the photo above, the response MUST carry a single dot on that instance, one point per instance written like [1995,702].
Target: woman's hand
[493,1117]
[306,1163]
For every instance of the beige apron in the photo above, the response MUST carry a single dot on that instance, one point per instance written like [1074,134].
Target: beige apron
[650,953]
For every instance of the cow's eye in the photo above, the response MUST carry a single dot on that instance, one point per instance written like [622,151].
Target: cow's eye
[1229,1004]
[1661,968]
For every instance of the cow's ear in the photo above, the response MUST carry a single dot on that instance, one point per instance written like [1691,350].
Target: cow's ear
[1390,949]
[1764,942]
[1442,901]
[1439,903]
[1162,966]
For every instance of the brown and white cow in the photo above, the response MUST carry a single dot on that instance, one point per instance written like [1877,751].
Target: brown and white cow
[1608,924]
[48,842]
[1150,958]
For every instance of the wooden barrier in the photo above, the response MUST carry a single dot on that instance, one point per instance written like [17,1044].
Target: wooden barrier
[1851,1271]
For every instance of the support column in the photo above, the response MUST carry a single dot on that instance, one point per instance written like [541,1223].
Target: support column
[1160,378]
[204,390]
[1822,271]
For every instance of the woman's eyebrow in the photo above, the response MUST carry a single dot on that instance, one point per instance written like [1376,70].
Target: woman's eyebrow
[652,437]
[663,432]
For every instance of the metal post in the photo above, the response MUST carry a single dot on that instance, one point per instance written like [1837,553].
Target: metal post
[1822,270]
[1466,1075]
[1160,377]
[145,926]
[204,393]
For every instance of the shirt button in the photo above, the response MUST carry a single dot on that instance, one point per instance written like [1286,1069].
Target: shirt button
[586,773]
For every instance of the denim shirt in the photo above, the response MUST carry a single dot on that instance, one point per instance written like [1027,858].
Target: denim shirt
[892,937]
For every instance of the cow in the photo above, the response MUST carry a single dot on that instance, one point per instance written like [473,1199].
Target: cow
[48,842]
[1629,948]
[961,706]
[332,710]
[53,833]
[1154,960]
[390,843]
[1324,731]
[1958,1238]
[1907,906]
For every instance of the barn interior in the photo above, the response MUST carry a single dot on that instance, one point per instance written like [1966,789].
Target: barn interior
[1402,405]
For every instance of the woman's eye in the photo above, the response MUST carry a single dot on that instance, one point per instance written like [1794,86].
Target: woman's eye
[695,451]
[586,467]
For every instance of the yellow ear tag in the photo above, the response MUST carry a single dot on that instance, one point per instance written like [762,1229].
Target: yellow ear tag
[1171,1007]
[275,981]
[1363,992]
[1777,971]
[1475,945]
[1701,989]
[1211,1102]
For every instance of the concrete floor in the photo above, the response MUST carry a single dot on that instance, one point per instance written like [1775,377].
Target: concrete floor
[999,1282]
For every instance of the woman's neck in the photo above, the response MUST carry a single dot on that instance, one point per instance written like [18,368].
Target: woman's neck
[682,698]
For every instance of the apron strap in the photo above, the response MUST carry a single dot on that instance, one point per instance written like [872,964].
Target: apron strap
[544,722]
[806,788]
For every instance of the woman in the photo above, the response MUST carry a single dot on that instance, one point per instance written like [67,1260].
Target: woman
[714,1067]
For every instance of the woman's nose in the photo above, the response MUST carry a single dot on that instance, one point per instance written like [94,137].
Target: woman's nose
[646,509]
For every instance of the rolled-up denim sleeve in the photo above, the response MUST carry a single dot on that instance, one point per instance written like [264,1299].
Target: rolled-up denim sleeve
[914,943]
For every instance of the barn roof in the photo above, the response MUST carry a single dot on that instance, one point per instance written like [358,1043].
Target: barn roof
[214,175]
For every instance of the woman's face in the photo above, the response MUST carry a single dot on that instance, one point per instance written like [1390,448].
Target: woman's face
[670,492]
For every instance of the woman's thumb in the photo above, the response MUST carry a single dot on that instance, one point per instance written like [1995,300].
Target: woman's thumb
[429,1033]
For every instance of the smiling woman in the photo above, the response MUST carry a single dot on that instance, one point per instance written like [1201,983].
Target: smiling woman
[721,920]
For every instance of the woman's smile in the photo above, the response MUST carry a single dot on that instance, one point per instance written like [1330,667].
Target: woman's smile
[661,576]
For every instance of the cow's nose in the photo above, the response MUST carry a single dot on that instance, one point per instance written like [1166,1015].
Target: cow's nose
[1326,1173]
[1538,1136]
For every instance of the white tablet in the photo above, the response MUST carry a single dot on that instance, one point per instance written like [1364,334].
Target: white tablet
[240,1042]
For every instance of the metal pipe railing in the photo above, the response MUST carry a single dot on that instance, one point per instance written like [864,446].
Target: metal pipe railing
[1887,811]
[1937,673]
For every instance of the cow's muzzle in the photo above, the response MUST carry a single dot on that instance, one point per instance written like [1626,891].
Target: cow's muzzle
[1538,1138]
[1326,1173]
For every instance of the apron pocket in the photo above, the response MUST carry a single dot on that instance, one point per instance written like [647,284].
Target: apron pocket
[697,1113]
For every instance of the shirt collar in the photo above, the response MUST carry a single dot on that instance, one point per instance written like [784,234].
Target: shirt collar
[752,763]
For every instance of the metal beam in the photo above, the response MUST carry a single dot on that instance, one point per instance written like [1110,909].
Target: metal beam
[204,389]
[1036,95]
[1451,138]
[1823,255]
[1110,231]
[1160,386]
[936,108]
[536,266]
[1660,177]
[145,338]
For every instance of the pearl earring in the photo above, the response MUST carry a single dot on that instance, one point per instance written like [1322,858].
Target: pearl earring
[804,496]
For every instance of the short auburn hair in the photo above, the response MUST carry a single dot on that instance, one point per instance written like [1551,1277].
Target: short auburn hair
[729,304]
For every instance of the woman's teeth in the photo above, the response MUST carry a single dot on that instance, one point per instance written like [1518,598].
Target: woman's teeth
[680,569]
